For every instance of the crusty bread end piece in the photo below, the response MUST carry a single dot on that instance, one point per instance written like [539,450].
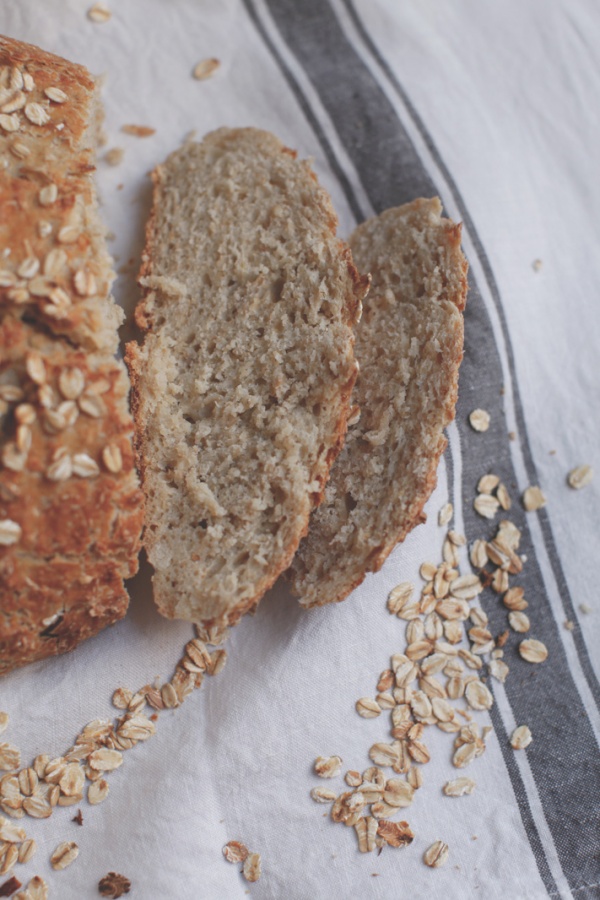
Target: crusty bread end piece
[242,385]
[70,504]
[409,345]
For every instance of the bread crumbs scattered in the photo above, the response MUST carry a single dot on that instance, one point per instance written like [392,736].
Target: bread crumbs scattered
[140,131]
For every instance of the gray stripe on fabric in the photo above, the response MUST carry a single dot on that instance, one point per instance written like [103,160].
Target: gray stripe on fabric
[308,112]
[392,173]
[548,537]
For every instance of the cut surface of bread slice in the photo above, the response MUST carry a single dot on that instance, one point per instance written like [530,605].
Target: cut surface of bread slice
[409,347]
[242,385]
[70,505]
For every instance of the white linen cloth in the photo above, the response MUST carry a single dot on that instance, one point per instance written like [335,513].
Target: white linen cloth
[507,94]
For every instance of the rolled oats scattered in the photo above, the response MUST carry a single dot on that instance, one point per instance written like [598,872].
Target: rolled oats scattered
[466,587]
[399,597]
[99,13]
[415,777]
[105,760]
[580,477]
[459,787]
[445,514]
[395,834]
[498,670]
[328,766]
[514,599]
[367,708]
[9,859]
[398,793]
[465,754]
[533,499]
[521,738]
[478,696]
[27,850]
[206,68]
[519,621]
[436,855]
[486,505]
[252,867]
[533,651]
[321,795]
[28,781]
[384,754]
[11,834]
[503,497]
[479,420]
[37,807]
[352,778]
[65,854]
[4,720]
[236,852]
[98,791]
[10,758]
[487,484]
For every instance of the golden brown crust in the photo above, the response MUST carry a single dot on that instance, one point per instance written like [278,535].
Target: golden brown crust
[70,506]
[58,271]
[73,494]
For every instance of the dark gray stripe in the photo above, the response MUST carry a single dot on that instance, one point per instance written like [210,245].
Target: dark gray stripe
[392,173]
[310,116]
[557,570]
[508,754]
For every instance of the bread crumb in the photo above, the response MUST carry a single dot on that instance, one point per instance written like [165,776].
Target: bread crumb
[114,156]
[140,131]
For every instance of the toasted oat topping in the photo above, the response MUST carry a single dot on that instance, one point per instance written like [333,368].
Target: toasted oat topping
[10,533]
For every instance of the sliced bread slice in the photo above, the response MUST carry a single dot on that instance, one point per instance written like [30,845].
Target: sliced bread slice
[409,346]
[241,389]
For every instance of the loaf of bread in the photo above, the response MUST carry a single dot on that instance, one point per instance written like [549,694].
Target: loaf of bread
[241,388]
[70,504]
[409,346]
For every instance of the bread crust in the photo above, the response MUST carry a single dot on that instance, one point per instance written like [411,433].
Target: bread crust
[153,282]
[68,487]
[345,570]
